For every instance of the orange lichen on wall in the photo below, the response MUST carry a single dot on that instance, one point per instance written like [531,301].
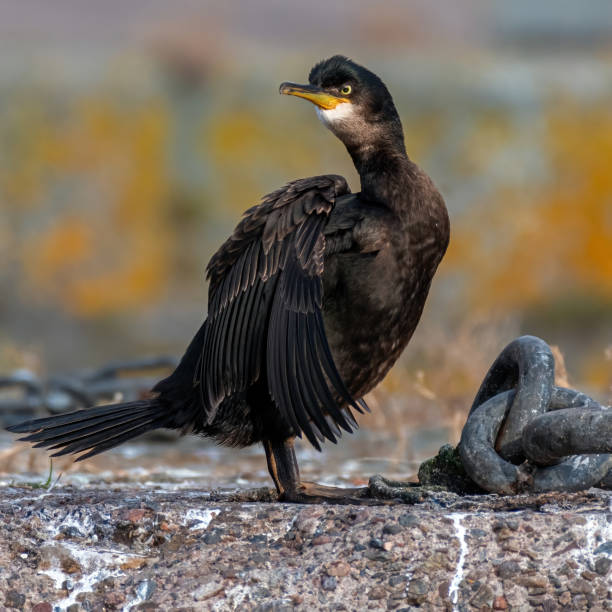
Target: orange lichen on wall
[528,246]
[107,247]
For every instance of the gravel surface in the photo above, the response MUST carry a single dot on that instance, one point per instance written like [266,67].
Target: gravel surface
[127,548]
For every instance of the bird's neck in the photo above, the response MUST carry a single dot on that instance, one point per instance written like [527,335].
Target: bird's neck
[385,172]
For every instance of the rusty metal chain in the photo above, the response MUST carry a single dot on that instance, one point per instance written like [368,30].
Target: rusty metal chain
[525,434]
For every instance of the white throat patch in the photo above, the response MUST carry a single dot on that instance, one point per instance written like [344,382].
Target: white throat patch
[333,115]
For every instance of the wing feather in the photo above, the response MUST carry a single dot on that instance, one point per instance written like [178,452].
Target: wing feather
[265,313]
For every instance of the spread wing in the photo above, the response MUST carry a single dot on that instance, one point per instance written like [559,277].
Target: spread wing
[265,318]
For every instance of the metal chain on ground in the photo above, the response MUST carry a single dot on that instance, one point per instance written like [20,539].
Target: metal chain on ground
[525,434]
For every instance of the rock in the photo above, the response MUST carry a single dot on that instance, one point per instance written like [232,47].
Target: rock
[145,589]
[588,575]
[507,569]
[329,583]
[135,515]
[133,563]
[70,565]
[602,565]
[209,589]
[270,556]
[397,580]
[548,605]
[377,592]
[214,537]
[579,585]
[605,548]
[408,520]
[516,596]
[416,593]
[377,555]
[114,599]
[392,529]
[483,597]
[14,599]
[339,569]
[535,584]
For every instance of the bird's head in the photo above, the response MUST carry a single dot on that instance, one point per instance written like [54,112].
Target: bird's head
[351,101]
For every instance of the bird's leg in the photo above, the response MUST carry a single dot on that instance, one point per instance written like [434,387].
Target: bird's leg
[283,467]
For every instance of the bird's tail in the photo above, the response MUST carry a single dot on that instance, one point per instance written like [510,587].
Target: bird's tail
[95,429]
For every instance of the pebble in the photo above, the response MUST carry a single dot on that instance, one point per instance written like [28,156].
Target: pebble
[417,587]
[71,566]
[391,529]
[605,548]
[377,555]
[70,531]
[211,585]
[507,569]
[258,539]
[42,607]
[483,597]
[340,568]
[213,537]
[377,592]
[548,605]
[516,596]
[136,515]
[500,603]
[408,520]
[579,585]
[396,580]
[329,583]
[114,598]
[145,589]
[534,584]
[602,565]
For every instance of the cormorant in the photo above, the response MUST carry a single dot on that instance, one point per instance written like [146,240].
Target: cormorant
[311,300]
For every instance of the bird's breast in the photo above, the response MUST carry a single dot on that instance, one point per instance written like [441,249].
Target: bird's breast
[372,303]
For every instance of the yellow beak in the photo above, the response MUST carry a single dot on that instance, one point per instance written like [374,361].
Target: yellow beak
[315,95]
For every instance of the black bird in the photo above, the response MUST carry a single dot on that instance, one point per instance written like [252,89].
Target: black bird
[311,300]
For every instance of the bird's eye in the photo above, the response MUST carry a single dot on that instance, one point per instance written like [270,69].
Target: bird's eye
[346,90]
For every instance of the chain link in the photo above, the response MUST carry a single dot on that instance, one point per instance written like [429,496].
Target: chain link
[524,434]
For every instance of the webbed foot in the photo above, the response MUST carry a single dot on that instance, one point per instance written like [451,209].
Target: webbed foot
[313,493]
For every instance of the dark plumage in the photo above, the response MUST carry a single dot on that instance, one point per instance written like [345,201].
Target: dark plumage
[311,300]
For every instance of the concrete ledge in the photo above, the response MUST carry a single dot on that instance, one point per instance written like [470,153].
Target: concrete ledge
[128,548]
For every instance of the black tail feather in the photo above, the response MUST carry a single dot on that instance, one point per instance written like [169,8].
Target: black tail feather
[66,433]
[95,429]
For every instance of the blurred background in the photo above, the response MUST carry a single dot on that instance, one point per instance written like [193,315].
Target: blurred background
[134,134]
